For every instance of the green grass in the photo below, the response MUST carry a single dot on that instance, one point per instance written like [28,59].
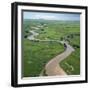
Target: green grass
[74,61]
[58,30]
[37,54]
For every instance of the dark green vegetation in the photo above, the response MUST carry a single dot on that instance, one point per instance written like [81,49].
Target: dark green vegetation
[37,54]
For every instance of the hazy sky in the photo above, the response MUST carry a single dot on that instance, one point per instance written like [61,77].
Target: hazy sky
[50,16]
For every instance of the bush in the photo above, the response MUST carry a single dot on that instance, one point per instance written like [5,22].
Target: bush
[25,36]
[76,46]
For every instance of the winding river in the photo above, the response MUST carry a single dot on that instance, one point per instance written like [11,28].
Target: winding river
[53,68]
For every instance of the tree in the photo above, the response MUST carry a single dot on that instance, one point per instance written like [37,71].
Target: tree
[42,29]
[61,38]
[25,36]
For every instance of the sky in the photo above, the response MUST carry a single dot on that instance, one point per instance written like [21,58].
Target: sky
[51,16]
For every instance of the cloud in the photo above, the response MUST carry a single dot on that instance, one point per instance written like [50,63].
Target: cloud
[47,17]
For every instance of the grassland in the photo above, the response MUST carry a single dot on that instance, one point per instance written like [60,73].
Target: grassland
[71,64]
[37,54]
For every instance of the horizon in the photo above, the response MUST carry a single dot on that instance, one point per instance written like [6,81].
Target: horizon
[52,20]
